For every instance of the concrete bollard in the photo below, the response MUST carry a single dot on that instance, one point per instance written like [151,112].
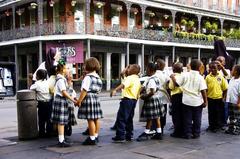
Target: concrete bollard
[27,115]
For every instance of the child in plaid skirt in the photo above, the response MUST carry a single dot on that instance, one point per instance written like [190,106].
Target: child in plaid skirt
[88,102]
[152,107]
[60,114]
[72,119]
[233,100]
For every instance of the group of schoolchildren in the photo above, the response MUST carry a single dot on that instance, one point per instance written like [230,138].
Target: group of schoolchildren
[189,93]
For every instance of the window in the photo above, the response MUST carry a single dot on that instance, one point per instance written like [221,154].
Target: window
[98,18]
[132,20]
[45,18]
[116,19]
[32,17]
[22,20]
[79,19]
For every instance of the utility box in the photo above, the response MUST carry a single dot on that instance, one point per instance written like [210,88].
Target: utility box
[27,114]
[7,79]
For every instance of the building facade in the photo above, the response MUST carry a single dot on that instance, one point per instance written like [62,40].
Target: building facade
[117,32]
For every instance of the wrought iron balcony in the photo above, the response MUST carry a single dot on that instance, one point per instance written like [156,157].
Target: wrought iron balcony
[111,31]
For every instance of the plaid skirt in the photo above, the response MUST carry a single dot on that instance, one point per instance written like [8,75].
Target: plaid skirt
[234,118]
[90,107]
[152,108]
[60,114]
[72,118]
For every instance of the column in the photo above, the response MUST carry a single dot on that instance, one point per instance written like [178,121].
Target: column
[166,61]
[189,60]
[88,53]
[107,70]
[128,6]
[199,23]
[87,16]
[128,53]
[177,59]
[139,60]
[40,14]
[16,65]
[173,54]
[143,52]
[221,21]
[238,61]
[40,59]
[173,21]
[199,53]
[122,62]
[13,16]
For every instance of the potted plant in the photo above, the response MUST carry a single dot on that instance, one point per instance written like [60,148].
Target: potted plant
[208,26]
[190,25]
[214,27]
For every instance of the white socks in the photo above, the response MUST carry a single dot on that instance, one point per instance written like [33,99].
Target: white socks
[96,135]
[61,138]
[92,137]
[159,130]
[147,131]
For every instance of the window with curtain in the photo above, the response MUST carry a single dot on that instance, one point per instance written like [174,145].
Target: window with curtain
[98,18]
[79,18]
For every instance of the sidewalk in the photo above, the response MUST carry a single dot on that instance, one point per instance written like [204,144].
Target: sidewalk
[208,146]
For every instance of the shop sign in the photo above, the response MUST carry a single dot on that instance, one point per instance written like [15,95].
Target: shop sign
[71,51]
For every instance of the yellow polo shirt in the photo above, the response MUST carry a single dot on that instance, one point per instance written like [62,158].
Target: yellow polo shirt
[174,89]
[132,87]
[216,85]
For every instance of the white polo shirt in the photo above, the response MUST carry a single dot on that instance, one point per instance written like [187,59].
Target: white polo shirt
[42,90]
[164,79]
[233,91]
[61,85]
[192,83]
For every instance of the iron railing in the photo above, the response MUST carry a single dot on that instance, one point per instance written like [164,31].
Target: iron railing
[111,31]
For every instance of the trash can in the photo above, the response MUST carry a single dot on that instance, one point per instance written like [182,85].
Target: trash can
[27,115]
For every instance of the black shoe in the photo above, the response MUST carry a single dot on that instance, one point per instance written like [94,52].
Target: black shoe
[186,137]
[117,139]
[64,144]
[86,132]
[129,139]
[97,140]
[195,136]
[144,137]
[157,136]
[88,141]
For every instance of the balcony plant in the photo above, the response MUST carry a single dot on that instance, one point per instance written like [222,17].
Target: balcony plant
[184,22]
[190,25]
[214,27]
[208,26]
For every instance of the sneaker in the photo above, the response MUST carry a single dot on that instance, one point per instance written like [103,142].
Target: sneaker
[86,132]
[88,141]
[117,139]
[64,144]
[144,136]
[157,136]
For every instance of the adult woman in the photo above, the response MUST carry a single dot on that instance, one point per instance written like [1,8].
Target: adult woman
[50,64]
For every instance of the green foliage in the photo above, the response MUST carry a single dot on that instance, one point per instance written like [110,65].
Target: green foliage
[190,23]
[184,22]
[214,26]
[208,25]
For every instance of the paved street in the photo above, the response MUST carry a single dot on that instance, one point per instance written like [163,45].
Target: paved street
[210,145]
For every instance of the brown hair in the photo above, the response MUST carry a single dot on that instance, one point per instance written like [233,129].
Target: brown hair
[133,69]
[92,64]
